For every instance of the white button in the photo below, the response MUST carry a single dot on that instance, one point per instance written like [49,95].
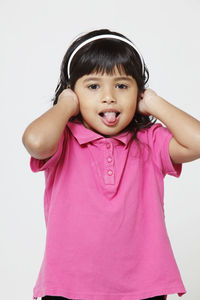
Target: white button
[109,159]
[110,172]
[108,146]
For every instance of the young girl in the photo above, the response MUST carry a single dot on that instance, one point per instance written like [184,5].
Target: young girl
[105,160]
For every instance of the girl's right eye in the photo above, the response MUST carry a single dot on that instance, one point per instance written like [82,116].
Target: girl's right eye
[93,86]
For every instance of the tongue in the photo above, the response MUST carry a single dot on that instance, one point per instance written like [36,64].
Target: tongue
[110,116]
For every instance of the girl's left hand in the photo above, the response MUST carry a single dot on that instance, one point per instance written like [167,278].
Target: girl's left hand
[145,100]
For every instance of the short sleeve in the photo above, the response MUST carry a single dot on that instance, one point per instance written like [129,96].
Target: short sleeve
[38,165]
[158,139]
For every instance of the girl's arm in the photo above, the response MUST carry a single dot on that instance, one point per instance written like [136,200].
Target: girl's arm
[185,144]
[41,137]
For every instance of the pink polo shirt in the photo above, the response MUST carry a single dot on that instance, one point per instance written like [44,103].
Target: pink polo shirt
[103,203]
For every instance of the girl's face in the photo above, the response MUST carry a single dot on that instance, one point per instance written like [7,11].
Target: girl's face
[107,102]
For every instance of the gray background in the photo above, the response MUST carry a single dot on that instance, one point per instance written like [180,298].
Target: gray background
[34,38]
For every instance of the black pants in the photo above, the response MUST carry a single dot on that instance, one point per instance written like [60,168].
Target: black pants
[62,298]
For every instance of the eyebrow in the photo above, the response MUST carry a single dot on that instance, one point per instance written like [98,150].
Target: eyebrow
[115,78]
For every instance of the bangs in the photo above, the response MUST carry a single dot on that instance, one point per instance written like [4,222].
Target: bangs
[109,69]
[104,56]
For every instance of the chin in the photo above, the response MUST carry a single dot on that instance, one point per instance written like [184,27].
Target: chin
[104,130]
[108,133]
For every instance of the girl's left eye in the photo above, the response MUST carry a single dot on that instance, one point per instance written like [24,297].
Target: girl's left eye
[122,86]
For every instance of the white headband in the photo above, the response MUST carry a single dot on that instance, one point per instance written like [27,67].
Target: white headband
[102,36]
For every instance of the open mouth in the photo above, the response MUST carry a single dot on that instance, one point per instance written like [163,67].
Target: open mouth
[110,118]
[102,114]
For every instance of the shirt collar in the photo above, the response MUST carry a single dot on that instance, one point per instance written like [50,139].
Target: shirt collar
[85,135]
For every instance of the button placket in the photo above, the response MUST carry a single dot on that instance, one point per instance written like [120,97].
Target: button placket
[109,164]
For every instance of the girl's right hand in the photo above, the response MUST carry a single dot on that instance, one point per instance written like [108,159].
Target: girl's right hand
[71,98]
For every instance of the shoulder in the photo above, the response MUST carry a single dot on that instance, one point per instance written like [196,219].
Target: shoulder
[154,133]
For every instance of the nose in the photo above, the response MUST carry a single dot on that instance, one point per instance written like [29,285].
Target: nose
[108,97]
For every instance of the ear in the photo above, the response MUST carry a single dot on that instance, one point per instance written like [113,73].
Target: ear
[140,94]
[139,97]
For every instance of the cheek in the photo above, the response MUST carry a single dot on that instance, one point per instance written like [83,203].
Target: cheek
[87,109]
[131,109]
[132,104]
[87,102]
[85,105]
